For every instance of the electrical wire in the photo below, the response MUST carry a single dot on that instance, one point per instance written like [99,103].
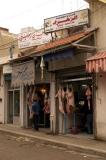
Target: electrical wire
[16,40]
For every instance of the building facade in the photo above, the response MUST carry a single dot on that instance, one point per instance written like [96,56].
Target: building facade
[64,65]
[60,63]
[8,50]
[67,60]
[97,65]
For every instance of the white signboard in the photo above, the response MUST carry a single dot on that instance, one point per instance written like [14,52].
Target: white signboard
[28,39]
[7,69]
[66,21]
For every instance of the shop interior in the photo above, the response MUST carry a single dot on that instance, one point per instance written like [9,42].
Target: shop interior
[42,90]
[79,113]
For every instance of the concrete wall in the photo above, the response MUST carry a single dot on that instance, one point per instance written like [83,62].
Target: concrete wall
[101,106]
[98,19]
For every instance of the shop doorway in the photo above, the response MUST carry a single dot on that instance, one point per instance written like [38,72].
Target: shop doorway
[13,107]
[83,114]
[43,91]
[80,118]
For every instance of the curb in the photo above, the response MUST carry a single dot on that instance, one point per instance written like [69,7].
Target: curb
[68,146]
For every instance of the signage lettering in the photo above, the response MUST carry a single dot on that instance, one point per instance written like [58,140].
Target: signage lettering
[66,21]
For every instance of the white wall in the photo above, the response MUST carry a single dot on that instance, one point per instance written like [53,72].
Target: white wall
[101,106]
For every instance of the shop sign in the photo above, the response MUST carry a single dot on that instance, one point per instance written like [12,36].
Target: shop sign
[7,69]
[104,1]
[66,21]
[23,74]
[35,38]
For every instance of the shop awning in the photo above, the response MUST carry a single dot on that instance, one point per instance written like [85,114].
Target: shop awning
[23,74]
[96,63]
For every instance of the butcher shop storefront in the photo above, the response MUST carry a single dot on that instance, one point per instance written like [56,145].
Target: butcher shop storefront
[26,82]
[74,87]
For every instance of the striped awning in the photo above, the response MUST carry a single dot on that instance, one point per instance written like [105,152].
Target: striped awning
[96,63]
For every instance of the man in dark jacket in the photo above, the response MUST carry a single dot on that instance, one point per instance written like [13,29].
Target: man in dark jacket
[35,111]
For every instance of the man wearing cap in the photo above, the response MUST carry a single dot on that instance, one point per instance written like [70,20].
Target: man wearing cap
[35,112]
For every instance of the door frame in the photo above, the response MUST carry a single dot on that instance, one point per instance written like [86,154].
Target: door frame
[13,91]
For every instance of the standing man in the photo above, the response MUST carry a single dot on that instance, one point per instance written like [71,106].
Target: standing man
[35,111]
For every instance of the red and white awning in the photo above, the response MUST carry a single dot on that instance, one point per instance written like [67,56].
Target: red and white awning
[96,63]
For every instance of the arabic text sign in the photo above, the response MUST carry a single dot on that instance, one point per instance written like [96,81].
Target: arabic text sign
[28,39]
[66,21]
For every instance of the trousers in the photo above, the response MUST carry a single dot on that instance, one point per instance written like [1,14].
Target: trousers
[36,121]
[89,123]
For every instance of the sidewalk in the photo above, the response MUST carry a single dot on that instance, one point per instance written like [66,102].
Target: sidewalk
[69,142]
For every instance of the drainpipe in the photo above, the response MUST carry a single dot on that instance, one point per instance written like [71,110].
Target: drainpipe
[11,51]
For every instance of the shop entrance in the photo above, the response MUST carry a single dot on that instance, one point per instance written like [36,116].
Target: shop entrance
[42,90]
[14,106]
[80,118]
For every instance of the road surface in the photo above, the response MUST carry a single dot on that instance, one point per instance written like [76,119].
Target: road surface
[22,148]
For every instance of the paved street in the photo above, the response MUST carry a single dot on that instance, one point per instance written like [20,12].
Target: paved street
[22,148]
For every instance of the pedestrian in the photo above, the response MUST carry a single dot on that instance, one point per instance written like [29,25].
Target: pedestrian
[35,112]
